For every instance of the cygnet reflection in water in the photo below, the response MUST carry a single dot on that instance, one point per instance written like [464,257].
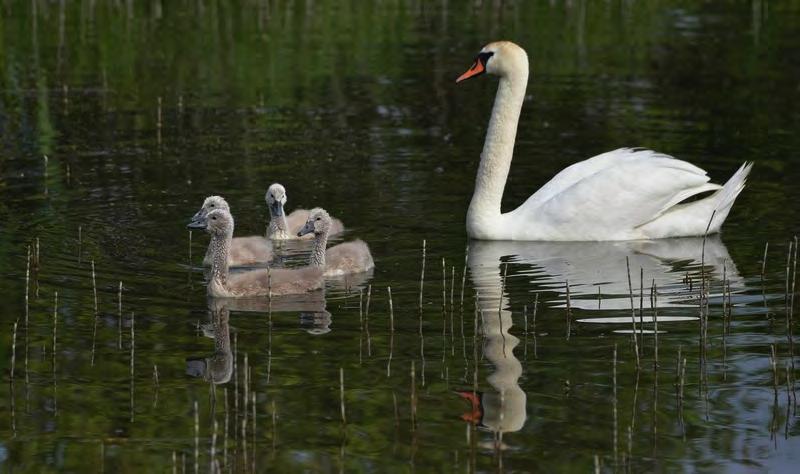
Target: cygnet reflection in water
[314,318]
[218,368]
[313,302]
[316,323]
[589,266]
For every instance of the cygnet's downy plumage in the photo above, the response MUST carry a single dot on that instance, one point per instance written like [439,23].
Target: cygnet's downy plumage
[342,259]
[286,227]
[243,251]
[261,282]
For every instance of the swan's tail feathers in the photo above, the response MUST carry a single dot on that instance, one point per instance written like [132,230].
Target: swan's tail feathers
[725,197]
[693,218]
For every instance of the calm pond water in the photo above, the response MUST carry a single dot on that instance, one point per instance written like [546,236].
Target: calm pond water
[144,108]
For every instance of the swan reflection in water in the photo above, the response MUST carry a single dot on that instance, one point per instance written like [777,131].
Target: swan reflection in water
[218,368]
[593,268]
[586,265]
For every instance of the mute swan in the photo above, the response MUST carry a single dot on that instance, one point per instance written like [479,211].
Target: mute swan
[624,194]
[342,259]
[283,227]
[243,250]
[262,282]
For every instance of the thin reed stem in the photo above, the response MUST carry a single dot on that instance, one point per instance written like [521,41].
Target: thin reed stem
[633,315]
[422,276]
[341,394]
[391,309]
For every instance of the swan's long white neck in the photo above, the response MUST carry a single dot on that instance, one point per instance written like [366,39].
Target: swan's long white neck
[498,149]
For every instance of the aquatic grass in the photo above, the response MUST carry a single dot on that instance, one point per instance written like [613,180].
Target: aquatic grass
[444,291]
[196,438]
[633,315]
[391,334]
[225,428]
[654,307]
[341,396]
[155,386]
[703,300]
[641,305]
[119,316]
[13,351]
[391,309]
[422,276]
[464,276]
[212,452]
[569,310]
[773,362]
[133,360]
[254,430]
[614,406]
[413,396]
[27,286]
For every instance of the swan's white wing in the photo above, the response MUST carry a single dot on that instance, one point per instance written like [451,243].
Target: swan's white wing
[583,169]
[632,189]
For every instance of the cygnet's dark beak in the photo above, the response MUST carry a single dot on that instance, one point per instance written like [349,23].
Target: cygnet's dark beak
[277,209]
[307,229]
[197,223]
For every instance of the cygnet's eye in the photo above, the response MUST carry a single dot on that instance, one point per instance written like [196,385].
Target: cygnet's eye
[211,205]
[319,218]
[213,218]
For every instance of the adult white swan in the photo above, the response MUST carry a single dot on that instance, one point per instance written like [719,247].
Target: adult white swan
[624,194]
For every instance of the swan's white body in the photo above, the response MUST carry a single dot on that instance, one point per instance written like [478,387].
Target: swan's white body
[624,194]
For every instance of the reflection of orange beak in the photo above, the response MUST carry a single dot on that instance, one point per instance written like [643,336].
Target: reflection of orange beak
[476,69]
[476,414]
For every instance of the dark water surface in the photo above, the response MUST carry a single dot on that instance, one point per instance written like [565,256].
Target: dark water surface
[352,106]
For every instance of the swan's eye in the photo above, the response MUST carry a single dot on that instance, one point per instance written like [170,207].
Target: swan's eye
[213,218]
[211,205]
[319,218]
[273,197]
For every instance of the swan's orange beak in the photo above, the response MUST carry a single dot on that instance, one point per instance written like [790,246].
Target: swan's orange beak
[476,69]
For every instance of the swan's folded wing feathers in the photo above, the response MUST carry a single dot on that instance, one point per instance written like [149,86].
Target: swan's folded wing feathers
[618,198]
[586,168]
